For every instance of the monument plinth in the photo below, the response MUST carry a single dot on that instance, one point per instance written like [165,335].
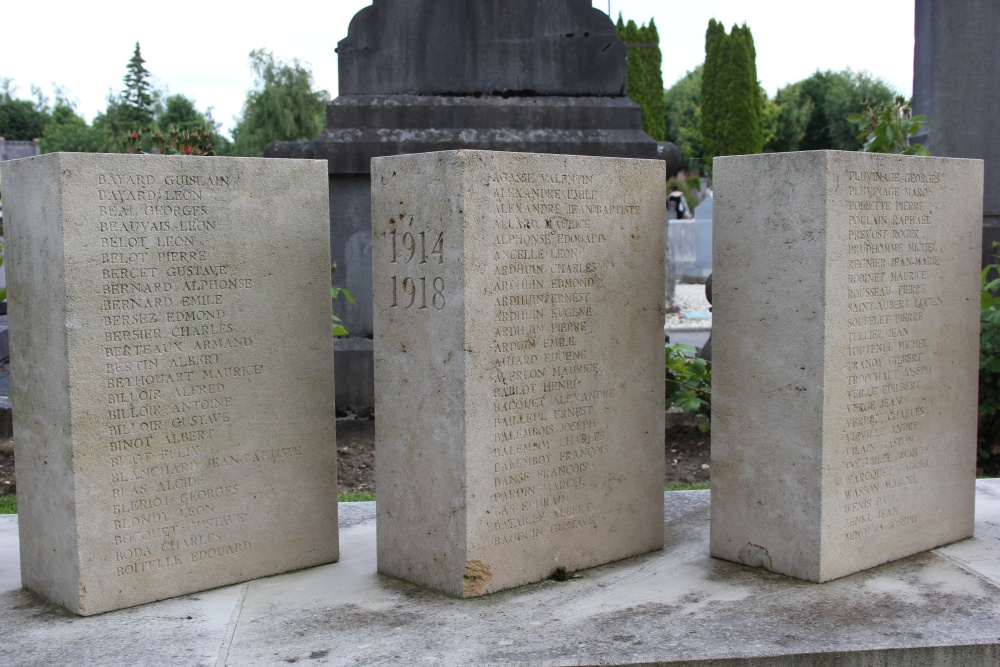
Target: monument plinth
[845,358]
[174,428]
[519,365]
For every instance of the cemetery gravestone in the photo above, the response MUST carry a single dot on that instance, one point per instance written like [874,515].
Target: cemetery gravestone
[172,374]
[519,336]
[846,322]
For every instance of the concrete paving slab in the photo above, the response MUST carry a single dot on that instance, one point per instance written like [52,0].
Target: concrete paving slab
[675,607]
[981,553]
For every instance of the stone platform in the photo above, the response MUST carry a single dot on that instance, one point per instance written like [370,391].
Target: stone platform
[675,607]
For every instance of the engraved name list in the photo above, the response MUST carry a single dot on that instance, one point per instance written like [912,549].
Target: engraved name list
[548,398]
[188,426]
[518,343]
[174,358]
[892,293]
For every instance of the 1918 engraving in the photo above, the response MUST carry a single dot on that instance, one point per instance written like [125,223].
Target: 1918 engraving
[501,345]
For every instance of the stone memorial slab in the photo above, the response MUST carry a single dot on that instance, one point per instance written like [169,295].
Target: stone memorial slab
[845,346]
[519,365]
[172,372]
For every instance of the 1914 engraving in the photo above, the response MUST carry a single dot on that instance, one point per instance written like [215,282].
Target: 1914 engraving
[513,341]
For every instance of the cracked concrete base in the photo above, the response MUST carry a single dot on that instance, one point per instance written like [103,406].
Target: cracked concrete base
[675,607]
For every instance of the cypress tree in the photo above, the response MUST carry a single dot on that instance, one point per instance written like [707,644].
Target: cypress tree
[730,94]
[645,74]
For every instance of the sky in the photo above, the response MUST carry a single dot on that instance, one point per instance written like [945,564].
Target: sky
[201,49]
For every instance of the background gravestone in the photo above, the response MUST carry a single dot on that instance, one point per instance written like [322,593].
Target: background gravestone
[541,76]
[172,434]
[845,304]
[519,334]
[956,84]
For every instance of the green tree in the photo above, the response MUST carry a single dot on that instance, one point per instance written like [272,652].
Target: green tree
[730,93]
[282,107]
[21,120]
[179,112]
[68,132]
[828,98]
[770,115]
[794,111]
[134,109]
[645,73]
[683,117]
[137,102]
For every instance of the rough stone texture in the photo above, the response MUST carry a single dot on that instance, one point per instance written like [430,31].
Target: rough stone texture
[519,325]
[360,127]
[677,607]
[151,460]
[420,76]
[844,393]
[454,47]
[956,72]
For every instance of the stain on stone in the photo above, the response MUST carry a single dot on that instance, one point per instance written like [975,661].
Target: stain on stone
[755,555]
[477,576]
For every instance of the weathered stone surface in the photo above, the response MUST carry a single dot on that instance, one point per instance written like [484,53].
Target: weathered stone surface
[360,127]
[846,320]
[956,67]
[451,47]
[518,350]
[172,435]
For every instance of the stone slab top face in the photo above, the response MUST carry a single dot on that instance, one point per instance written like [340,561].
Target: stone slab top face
[468,47]
[518,351]
[846,321]
[172,371]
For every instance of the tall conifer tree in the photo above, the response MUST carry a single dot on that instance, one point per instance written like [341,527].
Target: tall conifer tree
[137,106]
[730,94]
[713,90]
[645,74]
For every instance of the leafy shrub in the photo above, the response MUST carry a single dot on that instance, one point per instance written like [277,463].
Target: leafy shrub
[335,293]
[172,142]
[887,127]
[688,380]
[989,372]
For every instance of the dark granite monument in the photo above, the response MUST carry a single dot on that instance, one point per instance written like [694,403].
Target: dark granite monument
[540,76]
[956,84]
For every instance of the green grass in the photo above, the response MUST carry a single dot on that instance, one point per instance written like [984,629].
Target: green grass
[355,497]
[686,486]
[8,504]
